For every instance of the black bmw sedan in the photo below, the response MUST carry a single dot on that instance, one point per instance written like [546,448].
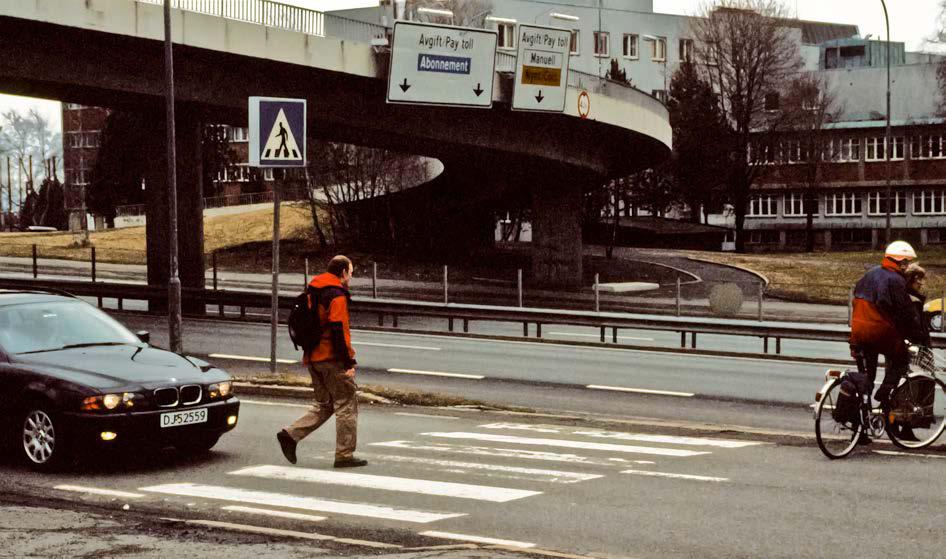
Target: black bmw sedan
[72,378]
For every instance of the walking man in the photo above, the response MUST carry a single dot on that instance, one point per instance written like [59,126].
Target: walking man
[332,367]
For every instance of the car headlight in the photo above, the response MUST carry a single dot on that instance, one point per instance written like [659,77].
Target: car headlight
[219,389]
[109,402]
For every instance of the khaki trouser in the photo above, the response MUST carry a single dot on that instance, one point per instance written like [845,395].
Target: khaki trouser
[334,393]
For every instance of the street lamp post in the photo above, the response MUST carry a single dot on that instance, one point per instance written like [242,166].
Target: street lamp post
[174,282]
[887,146]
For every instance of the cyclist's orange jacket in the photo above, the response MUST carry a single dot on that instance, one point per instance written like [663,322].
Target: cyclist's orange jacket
[883,315]
[335,344]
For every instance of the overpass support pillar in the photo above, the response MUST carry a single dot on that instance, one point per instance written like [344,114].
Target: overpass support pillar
[190,222]
[556,233]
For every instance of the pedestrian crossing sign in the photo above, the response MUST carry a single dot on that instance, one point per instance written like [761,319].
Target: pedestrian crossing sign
[277,132]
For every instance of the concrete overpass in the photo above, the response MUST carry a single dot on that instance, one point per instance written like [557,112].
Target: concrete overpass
[110,53]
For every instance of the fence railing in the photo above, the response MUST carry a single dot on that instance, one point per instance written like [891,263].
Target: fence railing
[228,200]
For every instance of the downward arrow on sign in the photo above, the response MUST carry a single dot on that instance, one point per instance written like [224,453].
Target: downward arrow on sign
[539,96]
[478,90]
[404,87]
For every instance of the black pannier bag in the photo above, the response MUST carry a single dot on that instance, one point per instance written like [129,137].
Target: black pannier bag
[849,396]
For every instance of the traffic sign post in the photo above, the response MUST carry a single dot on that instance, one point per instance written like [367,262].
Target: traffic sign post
[541,69]
[277,140]
[441,65]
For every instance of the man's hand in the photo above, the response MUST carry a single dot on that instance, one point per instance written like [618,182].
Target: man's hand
[350,373]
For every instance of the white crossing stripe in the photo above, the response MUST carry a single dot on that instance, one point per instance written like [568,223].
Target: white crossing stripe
[515,453]
[98,491]
[430,415]
[597,433]
[398,346]
[913,454]
[674,476]
[640,390]
[387,483]
[250,358]
[568,444]
[276,513]
[296,502]
[477,539]
[513,472]
[435,374]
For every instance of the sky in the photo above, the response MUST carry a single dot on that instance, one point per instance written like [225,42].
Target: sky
[911,21]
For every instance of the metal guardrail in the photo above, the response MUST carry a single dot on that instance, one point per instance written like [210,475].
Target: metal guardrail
[292,195]
[606,322]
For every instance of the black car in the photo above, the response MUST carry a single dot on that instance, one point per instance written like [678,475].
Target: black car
[72,378]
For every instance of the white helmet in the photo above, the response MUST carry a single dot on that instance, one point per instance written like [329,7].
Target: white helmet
[900,250]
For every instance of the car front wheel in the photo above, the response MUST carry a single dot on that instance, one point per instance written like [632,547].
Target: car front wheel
[42,439]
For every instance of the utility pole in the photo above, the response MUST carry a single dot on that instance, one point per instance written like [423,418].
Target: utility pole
[174,282]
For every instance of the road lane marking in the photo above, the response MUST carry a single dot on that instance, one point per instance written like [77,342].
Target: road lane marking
[388,483]
[250,358]
[512,472]
[914,454]
[429,415]
[283,404]
[674,476]
[599,336]
[296,502]
[568,444]
[276,513]
[640,437]
[288,533]
[640,390]
[435,374]
[98,491]
[477,539]
[514,453]
[398,346]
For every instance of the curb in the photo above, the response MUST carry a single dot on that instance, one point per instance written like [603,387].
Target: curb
[299,393]
[759,275]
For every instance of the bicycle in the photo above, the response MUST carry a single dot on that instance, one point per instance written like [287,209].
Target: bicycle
[915,419]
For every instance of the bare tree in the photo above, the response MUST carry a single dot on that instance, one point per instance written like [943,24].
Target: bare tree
[747,54]
[810,107]
[466,13]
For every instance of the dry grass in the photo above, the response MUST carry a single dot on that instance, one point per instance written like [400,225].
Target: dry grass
[824,276]
[127,245]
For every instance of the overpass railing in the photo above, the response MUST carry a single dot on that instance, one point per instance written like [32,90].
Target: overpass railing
[608,323]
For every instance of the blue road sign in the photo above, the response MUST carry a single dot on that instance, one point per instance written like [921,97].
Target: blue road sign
[277,132]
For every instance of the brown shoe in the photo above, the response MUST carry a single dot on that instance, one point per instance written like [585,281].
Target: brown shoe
[350,462]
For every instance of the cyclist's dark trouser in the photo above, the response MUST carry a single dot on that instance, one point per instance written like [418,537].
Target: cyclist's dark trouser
[895,366]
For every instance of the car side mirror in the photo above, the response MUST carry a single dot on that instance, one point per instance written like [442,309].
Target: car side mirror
[144,336]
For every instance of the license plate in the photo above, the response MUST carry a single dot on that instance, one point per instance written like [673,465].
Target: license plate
[189,417]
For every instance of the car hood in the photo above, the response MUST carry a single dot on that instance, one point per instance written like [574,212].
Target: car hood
[122,366]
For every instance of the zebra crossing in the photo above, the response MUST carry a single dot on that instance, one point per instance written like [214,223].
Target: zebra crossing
[449,474]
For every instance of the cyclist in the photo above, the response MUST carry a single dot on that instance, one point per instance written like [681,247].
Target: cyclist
[883,319]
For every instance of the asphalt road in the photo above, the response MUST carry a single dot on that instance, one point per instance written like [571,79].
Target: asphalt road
[447,476]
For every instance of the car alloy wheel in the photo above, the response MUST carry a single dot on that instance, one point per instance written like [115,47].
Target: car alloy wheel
[39,437]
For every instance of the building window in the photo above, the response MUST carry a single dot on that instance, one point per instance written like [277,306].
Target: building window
[851,236]
[877,203]
[842,204]
[268,174]
[686,50]
[602,43]
[877,146]
[239,134]
[73,107]
[573,46]
[658,49]
[630,45]
[763,206]
[791,151]
[929,202]
[507,35]
[771,101]
[927,147]
[660,95]
[764,237]
[844,149]
[795,205]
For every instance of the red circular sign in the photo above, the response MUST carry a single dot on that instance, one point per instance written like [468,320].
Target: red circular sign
[584,104]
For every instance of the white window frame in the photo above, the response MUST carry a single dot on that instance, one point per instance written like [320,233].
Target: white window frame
[658,50]
[686,50]
[878,145]
[631,40]
[849,204]
[268,174]
[844,150]
[506,39]
[765,205]
[239,134]
[927,202]
[574,46]
[794,205]
[602,39]
[922,147]
[659,94]
[875,199]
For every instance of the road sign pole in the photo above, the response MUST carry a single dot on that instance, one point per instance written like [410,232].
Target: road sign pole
[275,301]
[174,281]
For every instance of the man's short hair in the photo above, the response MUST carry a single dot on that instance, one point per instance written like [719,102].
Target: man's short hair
[339,265]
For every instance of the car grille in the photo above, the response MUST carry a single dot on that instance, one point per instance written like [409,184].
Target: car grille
[166,397]
[190,394]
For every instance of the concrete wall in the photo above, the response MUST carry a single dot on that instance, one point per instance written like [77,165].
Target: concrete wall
[914,91]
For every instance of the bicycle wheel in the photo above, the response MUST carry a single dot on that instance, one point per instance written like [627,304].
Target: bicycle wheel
[835,439]
[917,412]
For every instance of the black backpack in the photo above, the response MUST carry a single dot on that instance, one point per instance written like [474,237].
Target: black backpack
[305,329]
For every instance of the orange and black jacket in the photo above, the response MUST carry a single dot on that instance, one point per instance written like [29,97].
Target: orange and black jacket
[883,314]
[332,302]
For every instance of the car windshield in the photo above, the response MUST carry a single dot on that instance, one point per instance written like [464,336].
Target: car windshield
[48,326]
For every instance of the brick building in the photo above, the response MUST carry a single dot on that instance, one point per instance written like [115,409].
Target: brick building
[81,136]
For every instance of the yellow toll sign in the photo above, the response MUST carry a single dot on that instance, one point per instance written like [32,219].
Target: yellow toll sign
[534,75]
